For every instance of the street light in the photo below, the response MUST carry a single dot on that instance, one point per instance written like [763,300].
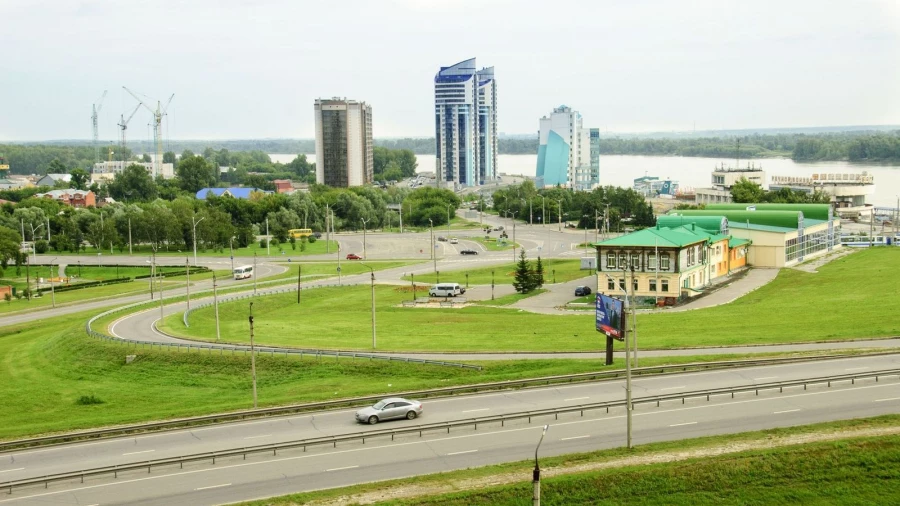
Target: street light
[541,219]
[194,228]
[365,222]
[536,474]
[559,214]
[627,362]
[372,272]
[231,247]
[52,295]
[433,254]
[448,220]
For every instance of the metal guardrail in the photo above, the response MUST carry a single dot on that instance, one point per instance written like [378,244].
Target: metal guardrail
[422,394]
[422,429]
[337,354]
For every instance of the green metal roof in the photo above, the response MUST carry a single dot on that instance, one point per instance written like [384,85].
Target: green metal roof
[735,242]
[712,224]
[814,211]
[789,219]
[659,236]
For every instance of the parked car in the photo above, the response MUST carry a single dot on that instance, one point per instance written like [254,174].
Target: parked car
[442,238]
[353,256]
[468,252]
[454,240]
[446,290]
[317,235]
[581,291]
[389,409]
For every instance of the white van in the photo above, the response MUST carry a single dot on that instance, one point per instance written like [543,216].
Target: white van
[445,290]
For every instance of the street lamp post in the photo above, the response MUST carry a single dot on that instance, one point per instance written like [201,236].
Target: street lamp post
[231,247]
[216,304]
[559,215]
[52,294]
[268,252]
[448,220]
[194,229]
[365,222]
[536,474]
[541,219]
[627,361]
[433,253]
[372,273]
[252,356]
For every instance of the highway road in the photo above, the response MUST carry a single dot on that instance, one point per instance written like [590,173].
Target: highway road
[258,476]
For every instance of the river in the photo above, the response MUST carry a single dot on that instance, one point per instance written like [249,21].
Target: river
[690,172]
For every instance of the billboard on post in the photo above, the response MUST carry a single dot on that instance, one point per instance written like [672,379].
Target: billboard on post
[609,316]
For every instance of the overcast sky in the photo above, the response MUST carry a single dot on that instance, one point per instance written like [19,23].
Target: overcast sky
[252,69]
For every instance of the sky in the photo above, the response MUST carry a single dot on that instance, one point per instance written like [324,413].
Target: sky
[252,69]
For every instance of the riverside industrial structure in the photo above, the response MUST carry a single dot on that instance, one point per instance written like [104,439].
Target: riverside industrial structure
[688,249]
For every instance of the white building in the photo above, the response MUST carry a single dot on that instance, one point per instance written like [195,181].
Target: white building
[465,120]
[344,146]
[848,192]
[568,154]
[723,178]
[107,170]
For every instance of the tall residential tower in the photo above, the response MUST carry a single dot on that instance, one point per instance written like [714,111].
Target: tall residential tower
[568,154]
[465,122]
[344,148]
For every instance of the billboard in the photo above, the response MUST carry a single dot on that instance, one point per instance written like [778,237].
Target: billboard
[609,316]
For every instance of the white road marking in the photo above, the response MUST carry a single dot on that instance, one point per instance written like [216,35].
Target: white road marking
[340,468]
[890,399]
[135,453]
[765,378]
[460,453]
[573,437]
[855,368]
[11,470]
[288,459]
[785,411]
[474,410]
[576,399]
[674,388]
[214,486]
[255,437]
[680,424]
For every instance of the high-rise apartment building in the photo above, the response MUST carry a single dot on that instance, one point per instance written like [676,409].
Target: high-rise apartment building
[568,154]
[344,148]
[465,122]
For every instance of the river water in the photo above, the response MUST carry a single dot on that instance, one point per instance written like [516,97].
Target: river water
[690,172]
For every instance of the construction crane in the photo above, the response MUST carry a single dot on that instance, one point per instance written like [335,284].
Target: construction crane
[96,110]
[123,125]
[157,132]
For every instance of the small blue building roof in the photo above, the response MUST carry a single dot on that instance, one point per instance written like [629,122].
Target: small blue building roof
[236,192]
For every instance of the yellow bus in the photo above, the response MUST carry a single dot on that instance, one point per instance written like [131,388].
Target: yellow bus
[298,233]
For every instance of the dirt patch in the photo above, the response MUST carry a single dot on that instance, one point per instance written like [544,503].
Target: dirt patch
[814,264]
[409,491]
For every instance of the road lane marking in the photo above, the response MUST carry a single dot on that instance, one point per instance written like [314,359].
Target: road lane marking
[765,378]
[214,486]
[786,411]
[474,410]
[340,468]
[460,453]
[135,453]
[255,437]
[855,368]
[11,470]
[680,424]
[575,399]
[890,399]
[290,459]
[673,388]
[573,437]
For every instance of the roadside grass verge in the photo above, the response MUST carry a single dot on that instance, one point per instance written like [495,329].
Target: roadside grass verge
[492,244]
[844,300]
[315,248]
[504,274]
[508,300]
[58,379]
[763,467]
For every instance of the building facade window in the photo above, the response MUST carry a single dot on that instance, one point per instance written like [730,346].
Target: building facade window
[623,261]
[610,284]
[664,285]
[652,285]
[664,262]
[621,283]
[636,261]
[651,261]
[610,260]
[634,284]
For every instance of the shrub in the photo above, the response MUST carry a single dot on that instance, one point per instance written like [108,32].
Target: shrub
[311,239]
[41,246]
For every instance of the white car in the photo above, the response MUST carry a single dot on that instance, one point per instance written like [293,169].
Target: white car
[454,240]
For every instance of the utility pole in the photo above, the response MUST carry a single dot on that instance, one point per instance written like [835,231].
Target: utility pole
[129,237]
[514,241]
[365,222]
[327,234]
[194,229]
[187,273]
[559,215]
[27,279]
[252,356]
[633,319]
[299,274]
[268,253]
[254,273]
[627,367]
[52,294]
[216,304]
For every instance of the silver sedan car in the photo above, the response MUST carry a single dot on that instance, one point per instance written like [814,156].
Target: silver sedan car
[389,409]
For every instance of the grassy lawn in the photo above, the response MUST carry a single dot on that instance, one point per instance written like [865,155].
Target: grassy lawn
[492,244]
[853,289]
[316,248]
[46,368]
[561,270]
[860,470]
[508,300]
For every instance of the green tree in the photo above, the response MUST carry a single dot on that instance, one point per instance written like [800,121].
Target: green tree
[146,158]
[169,157]
[524,279]
[9,245]
[133,184]
[746,191]
[538,274]
[194,173]
[56,167]
[80,179]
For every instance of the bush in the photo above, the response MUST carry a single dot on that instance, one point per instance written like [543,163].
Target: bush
[87,400]
[41,246]
[311,239]
[262,243]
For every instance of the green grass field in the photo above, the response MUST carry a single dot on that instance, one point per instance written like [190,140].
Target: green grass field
[562,270]
[860,470]
[317,248]
[852,288]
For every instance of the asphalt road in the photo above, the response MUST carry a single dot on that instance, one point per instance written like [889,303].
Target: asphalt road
[320,467]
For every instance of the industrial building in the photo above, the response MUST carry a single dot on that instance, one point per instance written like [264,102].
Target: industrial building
[344,146]
[848,192]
